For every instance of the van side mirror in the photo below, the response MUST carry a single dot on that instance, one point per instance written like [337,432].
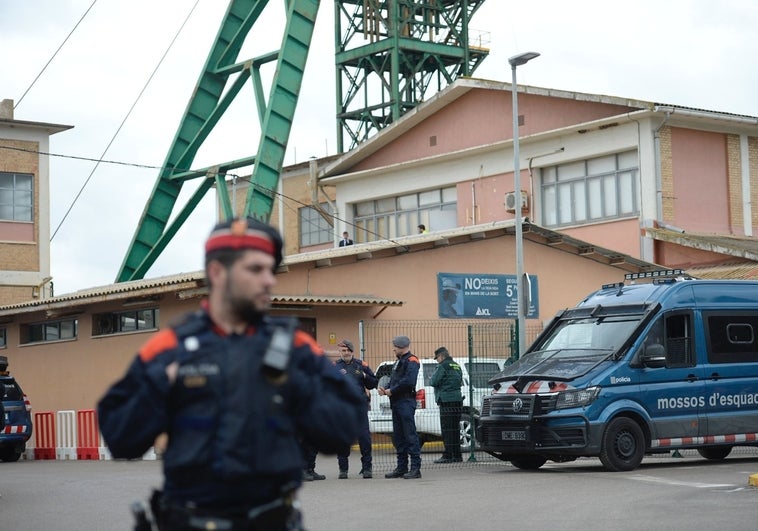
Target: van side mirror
[654,356]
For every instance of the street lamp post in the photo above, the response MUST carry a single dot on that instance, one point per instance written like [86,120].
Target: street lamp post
[521,310]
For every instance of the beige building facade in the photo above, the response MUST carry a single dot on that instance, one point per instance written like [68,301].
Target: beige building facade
[335,293]
[25,271]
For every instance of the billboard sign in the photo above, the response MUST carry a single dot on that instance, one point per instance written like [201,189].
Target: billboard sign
[482,296]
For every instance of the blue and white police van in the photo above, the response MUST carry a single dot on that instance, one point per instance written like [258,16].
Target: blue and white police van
[636,368]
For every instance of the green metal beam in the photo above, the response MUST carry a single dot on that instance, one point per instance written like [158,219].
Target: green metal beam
[277,121]
[214,92]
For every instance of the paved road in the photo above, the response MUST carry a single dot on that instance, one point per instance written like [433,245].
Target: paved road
[663,494]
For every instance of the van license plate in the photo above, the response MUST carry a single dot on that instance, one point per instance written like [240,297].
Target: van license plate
[514,435]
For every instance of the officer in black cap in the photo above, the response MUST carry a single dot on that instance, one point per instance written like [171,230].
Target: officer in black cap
[360,371]
[402,394]
[233,388]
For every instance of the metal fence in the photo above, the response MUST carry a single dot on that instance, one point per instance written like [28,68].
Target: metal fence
[463,338]
[472,339]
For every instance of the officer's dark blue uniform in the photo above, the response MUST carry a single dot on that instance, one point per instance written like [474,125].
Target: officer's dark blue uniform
[402,388]
[234,413]
[366,379]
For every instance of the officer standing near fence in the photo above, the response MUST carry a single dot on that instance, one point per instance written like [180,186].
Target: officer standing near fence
[447,381]
[234,389]
[360,371]
[402,394]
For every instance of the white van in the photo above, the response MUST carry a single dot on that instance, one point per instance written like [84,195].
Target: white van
[475,377]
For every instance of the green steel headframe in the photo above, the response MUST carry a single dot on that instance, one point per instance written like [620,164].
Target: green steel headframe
[393,54]
[222,78]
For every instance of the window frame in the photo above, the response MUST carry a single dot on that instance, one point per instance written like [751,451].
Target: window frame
[380,220]
[317,225]
[717,340]
[42,332]
[601,194]
[113,323]
[16,205]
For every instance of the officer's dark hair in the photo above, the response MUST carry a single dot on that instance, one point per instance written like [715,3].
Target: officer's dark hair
[442,351]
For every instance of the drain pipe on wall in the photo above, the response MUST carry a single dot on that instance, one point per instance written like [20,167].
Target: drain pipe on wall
[658,176]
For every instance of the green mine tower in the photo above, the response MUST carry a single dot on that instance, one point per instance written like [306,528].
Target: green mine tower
[414,49]
[393,54]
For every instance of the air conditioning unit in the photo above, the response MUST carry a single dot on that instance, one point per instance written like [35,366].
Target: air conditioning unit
[510,201]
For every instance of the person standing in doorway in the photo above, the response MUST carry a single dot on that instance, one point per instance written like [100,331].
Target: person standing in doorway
[345,241]
[360,371]
[447,381]
[402,395]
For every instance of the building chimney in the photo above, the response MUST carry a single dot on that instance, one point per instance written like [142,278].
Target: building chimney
[6,110]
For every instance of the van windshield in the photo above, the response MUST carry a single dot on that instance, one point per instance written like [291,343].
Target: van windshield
[573,348]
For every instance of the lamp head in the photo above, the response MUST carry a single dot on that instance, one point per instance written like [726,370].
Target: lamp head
[522,58]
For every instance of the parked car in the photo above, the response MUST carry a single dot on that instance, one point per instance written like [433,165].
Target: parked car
[475,376]
[17,416]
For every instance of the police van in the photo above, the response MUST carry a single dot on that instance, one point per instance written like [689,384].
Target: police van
[16,425]
[636,368]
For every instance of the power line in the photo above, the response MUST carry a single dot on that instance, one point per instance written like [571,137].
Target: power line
[233,175]
[139,96]
[54,54]
[87,159]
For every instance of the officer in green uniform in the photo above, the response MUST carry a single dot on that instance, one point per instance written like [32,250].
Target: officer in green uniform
[447,381]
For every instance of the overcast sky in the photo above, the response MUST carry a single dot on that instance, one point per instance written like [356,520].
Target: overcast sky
[697,53]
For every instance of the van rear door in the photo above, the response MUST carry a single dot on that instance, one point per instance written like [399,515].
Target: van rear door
[731,373]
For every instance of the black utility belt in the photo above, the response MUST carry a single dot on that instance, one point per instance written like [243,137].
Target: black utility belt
[276,512]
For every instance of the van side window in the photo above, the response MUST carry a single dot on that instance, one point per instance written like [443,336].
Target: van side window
[679,341]
[732,338]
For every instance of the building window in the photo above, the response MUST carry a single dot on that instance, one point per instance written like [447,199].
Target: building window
[393,217]
[590,190]
[314,229]
[49,331]
[16,197]
[3,338]
[119,322]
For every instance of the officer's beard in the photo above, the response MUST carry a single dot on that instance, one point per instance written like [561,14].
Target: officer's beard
[243,308]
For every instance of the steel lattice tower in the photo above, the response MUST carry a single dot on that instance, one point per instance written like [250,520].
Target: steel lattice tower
[392,54]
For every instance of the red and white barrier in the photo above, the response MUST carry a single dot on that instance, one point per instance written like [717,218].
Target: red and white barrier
[65,434]
[44,435]
[70,435]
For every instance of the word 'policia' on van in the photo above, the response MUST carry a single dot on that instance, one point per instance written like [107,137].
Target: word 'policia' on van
[633,369]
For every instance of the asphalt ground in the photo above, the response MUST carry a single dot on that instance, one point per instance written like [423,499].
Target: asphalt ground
[665,493]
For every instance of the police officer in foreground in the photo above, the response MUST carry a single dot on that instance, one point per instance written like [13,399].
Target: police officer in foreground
[447,380]
[234,389]
[360,371]
[402,394]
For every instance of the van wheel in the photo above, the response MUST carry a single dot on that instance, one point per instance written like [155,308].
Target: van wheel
[715,453]
[9,454]
[468,427]
[528,462]
[623,445]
